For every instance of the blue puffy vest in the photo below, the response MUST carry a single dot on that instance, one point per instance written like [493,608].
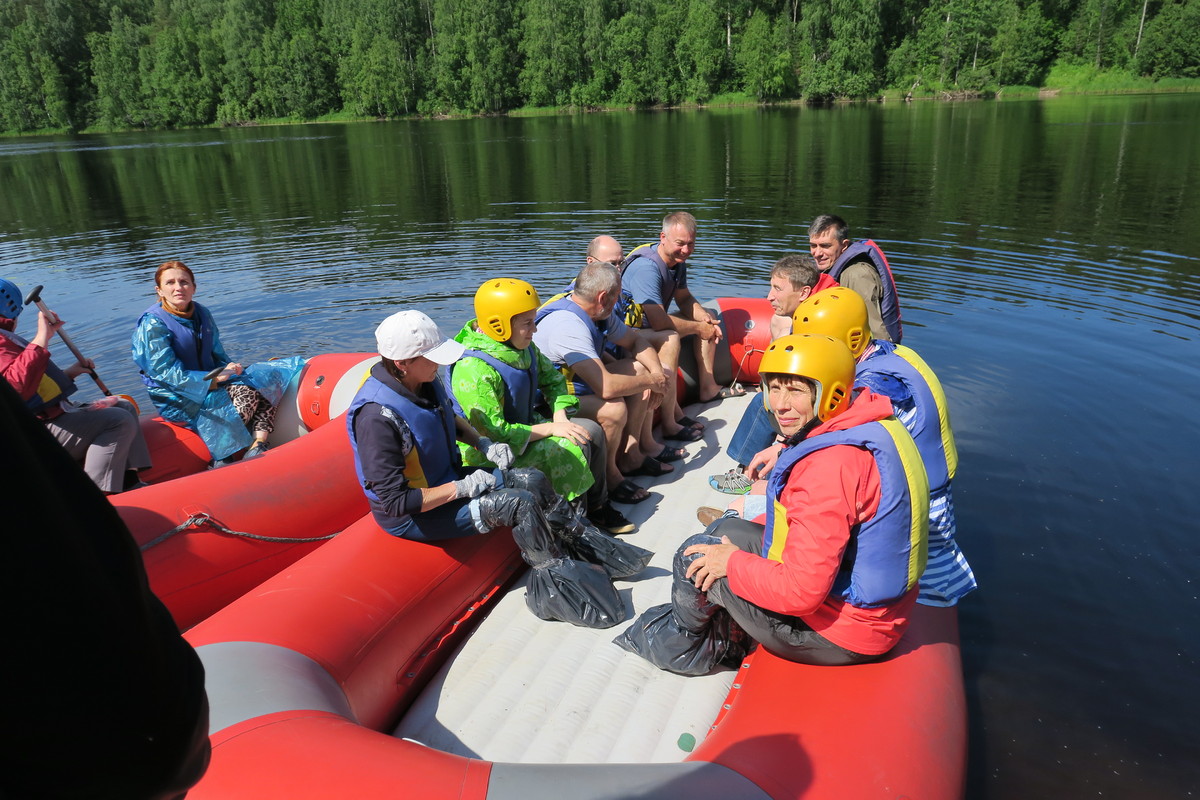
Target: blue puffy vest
[930,427]
[434,459]
[520,385]
[54,387]
[193,346]
[870,252]
[598,330]
[886,555]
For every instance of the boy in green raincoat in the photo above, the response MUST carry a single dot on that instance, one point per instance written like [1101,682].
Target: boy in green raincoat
[498,382]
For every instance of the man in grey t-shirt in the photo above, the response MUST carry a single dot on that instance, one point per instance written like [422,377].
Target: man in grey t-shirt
[620,394]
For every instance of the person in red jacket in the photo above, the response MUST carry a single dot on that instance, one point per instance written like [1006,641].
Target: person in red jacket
[104,435]
[831,578]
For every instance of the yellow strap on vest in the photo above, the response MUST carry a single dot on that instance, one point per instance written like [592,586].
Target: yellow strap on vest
[918,497]
[779,536]
[935,386]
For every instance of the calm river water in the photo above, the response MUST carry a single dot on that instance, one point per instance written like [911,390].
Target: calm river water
[1048,259]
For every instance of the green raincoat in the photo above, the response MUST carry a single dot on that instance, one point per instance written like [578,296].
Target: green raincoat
[480,391]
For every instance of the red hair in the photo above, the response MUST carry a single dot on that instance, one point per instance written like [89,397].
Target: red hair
[168,265]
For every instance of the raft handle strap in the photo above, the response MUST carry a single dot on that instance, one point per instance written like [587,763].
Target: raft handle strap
[200,520]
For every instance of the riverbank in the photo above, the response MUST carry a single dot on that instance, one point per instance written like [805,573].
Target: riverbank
[1060,83]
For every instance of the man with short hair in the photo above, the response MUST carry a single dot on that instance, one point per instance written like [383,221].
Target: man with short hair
[793,279]
[656,274]
[860,266]
[620,394]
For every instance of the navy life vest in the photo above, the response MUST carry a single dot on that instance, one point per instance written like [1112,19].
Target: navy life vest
[520,385]
[193,346]
[598,330]
[435,456]
[930,427]
[631,311]
[54,386]
[869,252]
[886,555]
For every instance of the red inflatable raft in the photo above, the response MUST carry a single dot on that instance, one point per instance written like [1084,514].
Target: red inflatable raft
[310,672]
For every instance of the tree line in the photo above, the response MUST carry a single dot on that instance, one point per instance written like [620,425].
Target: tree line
[117,64]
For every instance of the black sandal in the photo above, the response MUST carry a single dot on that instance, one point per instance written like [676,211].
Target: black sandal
[651,467]
[627,492]
[670,454]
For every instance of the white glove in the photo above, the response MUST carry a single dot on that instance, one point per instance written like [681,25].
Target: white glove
[499,454]
[475,484]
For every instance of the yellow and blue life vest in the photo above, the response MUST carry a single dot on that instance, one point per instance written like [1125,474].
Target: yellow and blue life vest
[54,387]
[886,555]
[930,427]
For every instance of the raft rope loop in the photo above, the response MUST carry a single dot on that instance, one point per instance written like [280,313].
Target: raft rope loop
[746,353]
[201,520]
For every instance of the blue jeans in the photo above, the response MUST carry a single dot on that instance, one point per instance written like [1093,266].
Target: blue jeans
[753,433]
[451,520]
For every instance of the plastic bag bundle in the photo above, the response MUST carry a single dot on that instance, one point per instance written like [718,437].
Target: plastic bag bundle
[658,637]
[690,635]
[618,558]
[572,591]
[559,587]
[580,539]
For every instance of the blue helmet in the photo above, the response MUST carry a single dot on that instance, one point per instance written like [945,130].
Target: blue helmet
[11,302]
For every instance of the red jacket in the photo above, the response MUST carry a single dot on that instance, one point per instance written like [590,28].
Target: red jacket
[827,494]
[22,367]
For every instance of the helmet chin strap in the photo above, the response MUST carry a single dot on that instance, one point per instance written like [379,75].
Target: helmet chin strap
[803,433]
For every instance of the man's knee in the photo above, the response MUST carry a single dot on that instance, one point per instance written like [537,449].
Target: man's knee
[613,414]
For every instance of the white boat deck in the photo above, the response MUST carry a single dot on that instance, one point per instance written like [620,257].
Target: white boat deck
[523,690]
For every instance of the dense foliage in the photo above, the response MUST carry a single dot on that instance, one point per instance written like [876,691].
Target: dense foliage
[165,63]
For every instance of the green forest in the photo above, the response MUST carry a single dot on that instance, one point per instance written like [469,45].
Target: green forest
[68,65]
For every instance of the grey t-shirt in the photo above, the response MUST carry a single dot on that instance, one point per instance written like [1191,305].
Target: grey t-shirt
[565,339]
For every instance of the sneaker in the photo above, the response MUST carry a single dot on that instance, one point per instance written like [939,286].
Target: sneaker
[732,482]
[708,515]
[607,518]
[257,449]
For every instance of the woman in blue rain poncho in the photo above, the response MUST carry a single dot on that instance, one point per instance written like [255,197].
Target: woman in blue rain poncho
[176,344]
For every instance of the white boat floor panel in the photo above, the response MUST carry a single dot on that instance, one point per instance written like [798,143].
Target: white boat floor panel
[523,690]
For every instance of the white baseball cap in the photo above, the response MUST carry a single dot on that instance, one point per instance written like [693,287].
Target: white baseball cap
[409,333]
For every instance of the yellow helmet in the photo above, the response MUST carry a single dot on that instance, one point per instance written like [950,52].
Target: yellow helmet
[838,312]
[821,359]
[498,301]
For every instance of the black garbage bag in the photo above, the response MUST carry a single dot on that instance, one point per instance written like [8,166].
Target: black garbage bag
[572,591]
[559,587]
[579,537]
[690,635]
[533,481]
[586,542]
[658,637]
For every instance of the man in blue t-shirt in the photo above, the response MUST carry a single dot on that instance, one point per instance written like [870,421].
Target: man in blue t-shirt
[655,275]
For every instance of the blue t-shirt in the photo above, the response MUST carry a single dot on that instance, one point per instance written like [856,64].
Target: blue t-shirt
[644,283]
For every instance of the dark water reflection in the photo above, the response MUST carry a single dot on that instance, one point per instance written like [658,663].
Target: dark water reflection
[1048,256]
